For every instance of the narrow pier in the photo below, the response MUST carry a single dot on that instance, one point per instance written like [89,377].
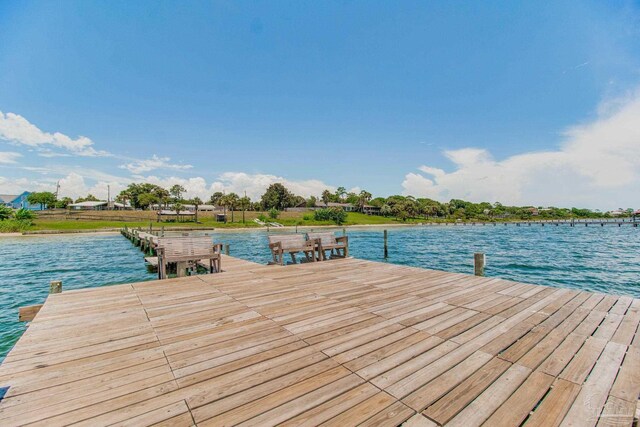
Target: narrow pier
[342,342]
[628,222]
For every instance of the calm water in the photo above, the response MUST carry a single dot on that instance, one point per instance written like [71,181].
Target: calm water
[604,259]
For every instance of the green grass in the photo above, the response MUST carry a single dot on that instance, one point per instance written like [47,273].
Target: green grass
[286,218]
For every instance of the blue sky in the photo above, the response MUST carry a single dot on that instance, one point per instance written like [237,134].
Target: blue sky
[394,97]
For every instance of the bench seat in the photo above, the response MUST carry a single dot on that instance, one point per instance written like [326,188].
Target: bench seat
[291,244]
[339,246]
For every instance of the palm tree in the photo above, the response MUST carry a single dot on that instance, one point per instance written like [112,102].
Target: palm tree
[244,202]
[326,196]
[232,200]
[176,191]
[363,198]
[340,192]
[224,202]
[197,201]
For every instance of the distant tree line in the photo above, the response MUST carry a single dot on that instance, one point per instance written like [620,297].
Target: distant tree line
[277,198]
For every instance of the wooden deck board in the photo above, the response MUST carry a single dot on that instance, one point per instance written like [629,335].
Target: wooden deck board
[342,342]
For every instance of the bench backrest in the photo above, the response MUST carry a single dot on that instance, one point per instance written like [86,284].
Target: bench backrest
[185,246]
[326,238]
[288,241]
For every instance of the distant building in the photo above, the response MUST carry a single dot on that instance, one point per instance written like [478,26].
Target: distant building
[533,211]
[120,206]
[371,210]
[188,207]
[19,201]
[617,212]
[348,207]
[88,206]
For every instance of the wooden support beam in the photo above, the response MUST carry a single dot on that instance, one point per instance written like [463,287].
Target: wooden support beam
[27,313]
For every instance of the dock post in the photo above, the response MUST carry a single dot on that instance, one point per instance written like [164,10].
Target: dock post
[344,231]
[55,287]
[386,249]
[162,231]
[479,261]
[226,249]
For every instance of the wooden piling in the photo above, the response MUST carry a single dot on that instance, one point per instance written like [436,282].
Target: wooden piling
[55,287]
[479,261]
[386,248]
[226,249]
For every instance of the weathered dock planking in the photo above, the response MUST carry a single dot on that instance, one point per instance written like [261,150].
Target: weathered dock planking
[343,342]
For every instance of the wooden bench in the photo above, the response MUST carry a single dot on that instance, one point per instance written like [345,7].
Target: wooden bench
[339,246]
[188,251]
[291,244]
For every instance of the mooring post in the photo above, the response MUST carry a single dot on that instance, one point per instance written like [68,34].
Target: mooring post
[55,287]
[479,261]
[226,249]
[344,231]
[386,249]
[162,230]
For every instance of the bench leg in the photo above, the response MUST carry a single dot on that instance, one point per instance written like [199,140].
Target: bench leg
[293,257]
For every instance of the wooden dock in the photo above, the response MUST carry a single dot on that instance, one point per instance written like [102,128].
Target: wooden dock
[343,342]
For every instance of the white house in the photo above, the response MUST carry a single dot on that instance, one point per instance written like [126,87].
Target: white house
[88,206]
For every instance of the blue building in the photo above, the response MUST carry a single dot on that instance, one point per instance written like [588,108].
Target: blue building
[18,201]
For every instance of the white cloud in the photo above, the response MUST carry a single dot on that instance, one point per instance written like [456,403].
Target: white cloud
[196,187]
[155,162]
[74,186]
[17,129]
[256,184]
[9,157]
[238,182]
[597,165]
[18,185]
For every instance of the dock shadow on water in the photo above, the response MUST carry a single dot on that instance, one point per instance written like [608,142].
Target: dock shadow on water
[598,259]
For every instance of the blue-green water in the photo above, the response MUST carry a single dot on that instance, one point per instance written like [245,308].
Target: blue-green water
[603,259]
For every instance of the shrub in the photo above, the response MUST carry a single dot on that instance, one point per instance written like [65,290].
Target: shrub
[306,217]
[14,225]
[337,215]
[274,213]
[24,214]
[5,212]
[262,217]
[322,214]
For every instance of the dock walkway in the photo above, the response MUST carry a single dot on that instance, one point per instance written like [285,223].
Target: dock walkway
[344,342]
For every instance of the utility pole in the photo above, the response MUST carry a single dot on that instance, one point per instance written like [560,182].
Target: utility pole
[108,197]
[57,189]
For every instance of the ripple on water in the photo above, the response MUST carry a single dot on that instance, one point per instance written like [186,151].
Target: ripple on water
[602,259]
